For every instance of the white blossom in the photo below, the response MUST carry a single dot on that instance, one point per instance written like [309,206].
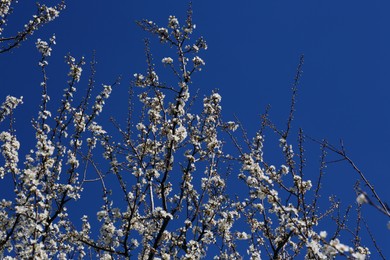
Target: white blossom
[361,199]
[242,236]
[198,61]
[167,60]
[173,23]
[43,47]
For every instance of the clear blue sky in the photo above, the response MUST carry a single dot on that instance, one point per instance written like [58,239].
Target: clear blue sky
[254,48]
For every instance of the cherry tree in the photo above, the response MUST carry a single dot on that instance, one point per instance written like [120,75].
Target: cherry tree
[176,180]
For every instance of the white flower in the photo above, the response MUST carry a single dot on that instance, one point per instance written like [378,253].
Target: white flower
[140,127]
[167,60]
[361,199]
[51,13]
[159,212]
[232,126]
[105,256]
[216,97]
[195,48]
[242,236]
[315,248]
[198,61]
[165,256]
[163,33]
[323,234]
[285,169]
[359,256]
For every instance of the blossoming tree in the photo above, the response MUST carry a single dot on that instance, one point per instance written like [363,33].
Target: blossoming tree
[176,182]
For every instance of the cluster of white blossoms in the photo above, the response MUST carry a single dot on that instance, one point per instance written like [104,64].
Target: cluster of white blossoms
[43,47]
[168,189]
[11,145]
[9,150]
[198,61]
[333,248]
[173,22]
[75,68]
[143,81]
[8,106]
[44,14]
[50,13]
[4,7]
[100,99]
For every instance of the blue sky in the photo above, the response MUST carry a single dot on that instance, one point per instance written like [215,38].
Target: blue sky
[254,48]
